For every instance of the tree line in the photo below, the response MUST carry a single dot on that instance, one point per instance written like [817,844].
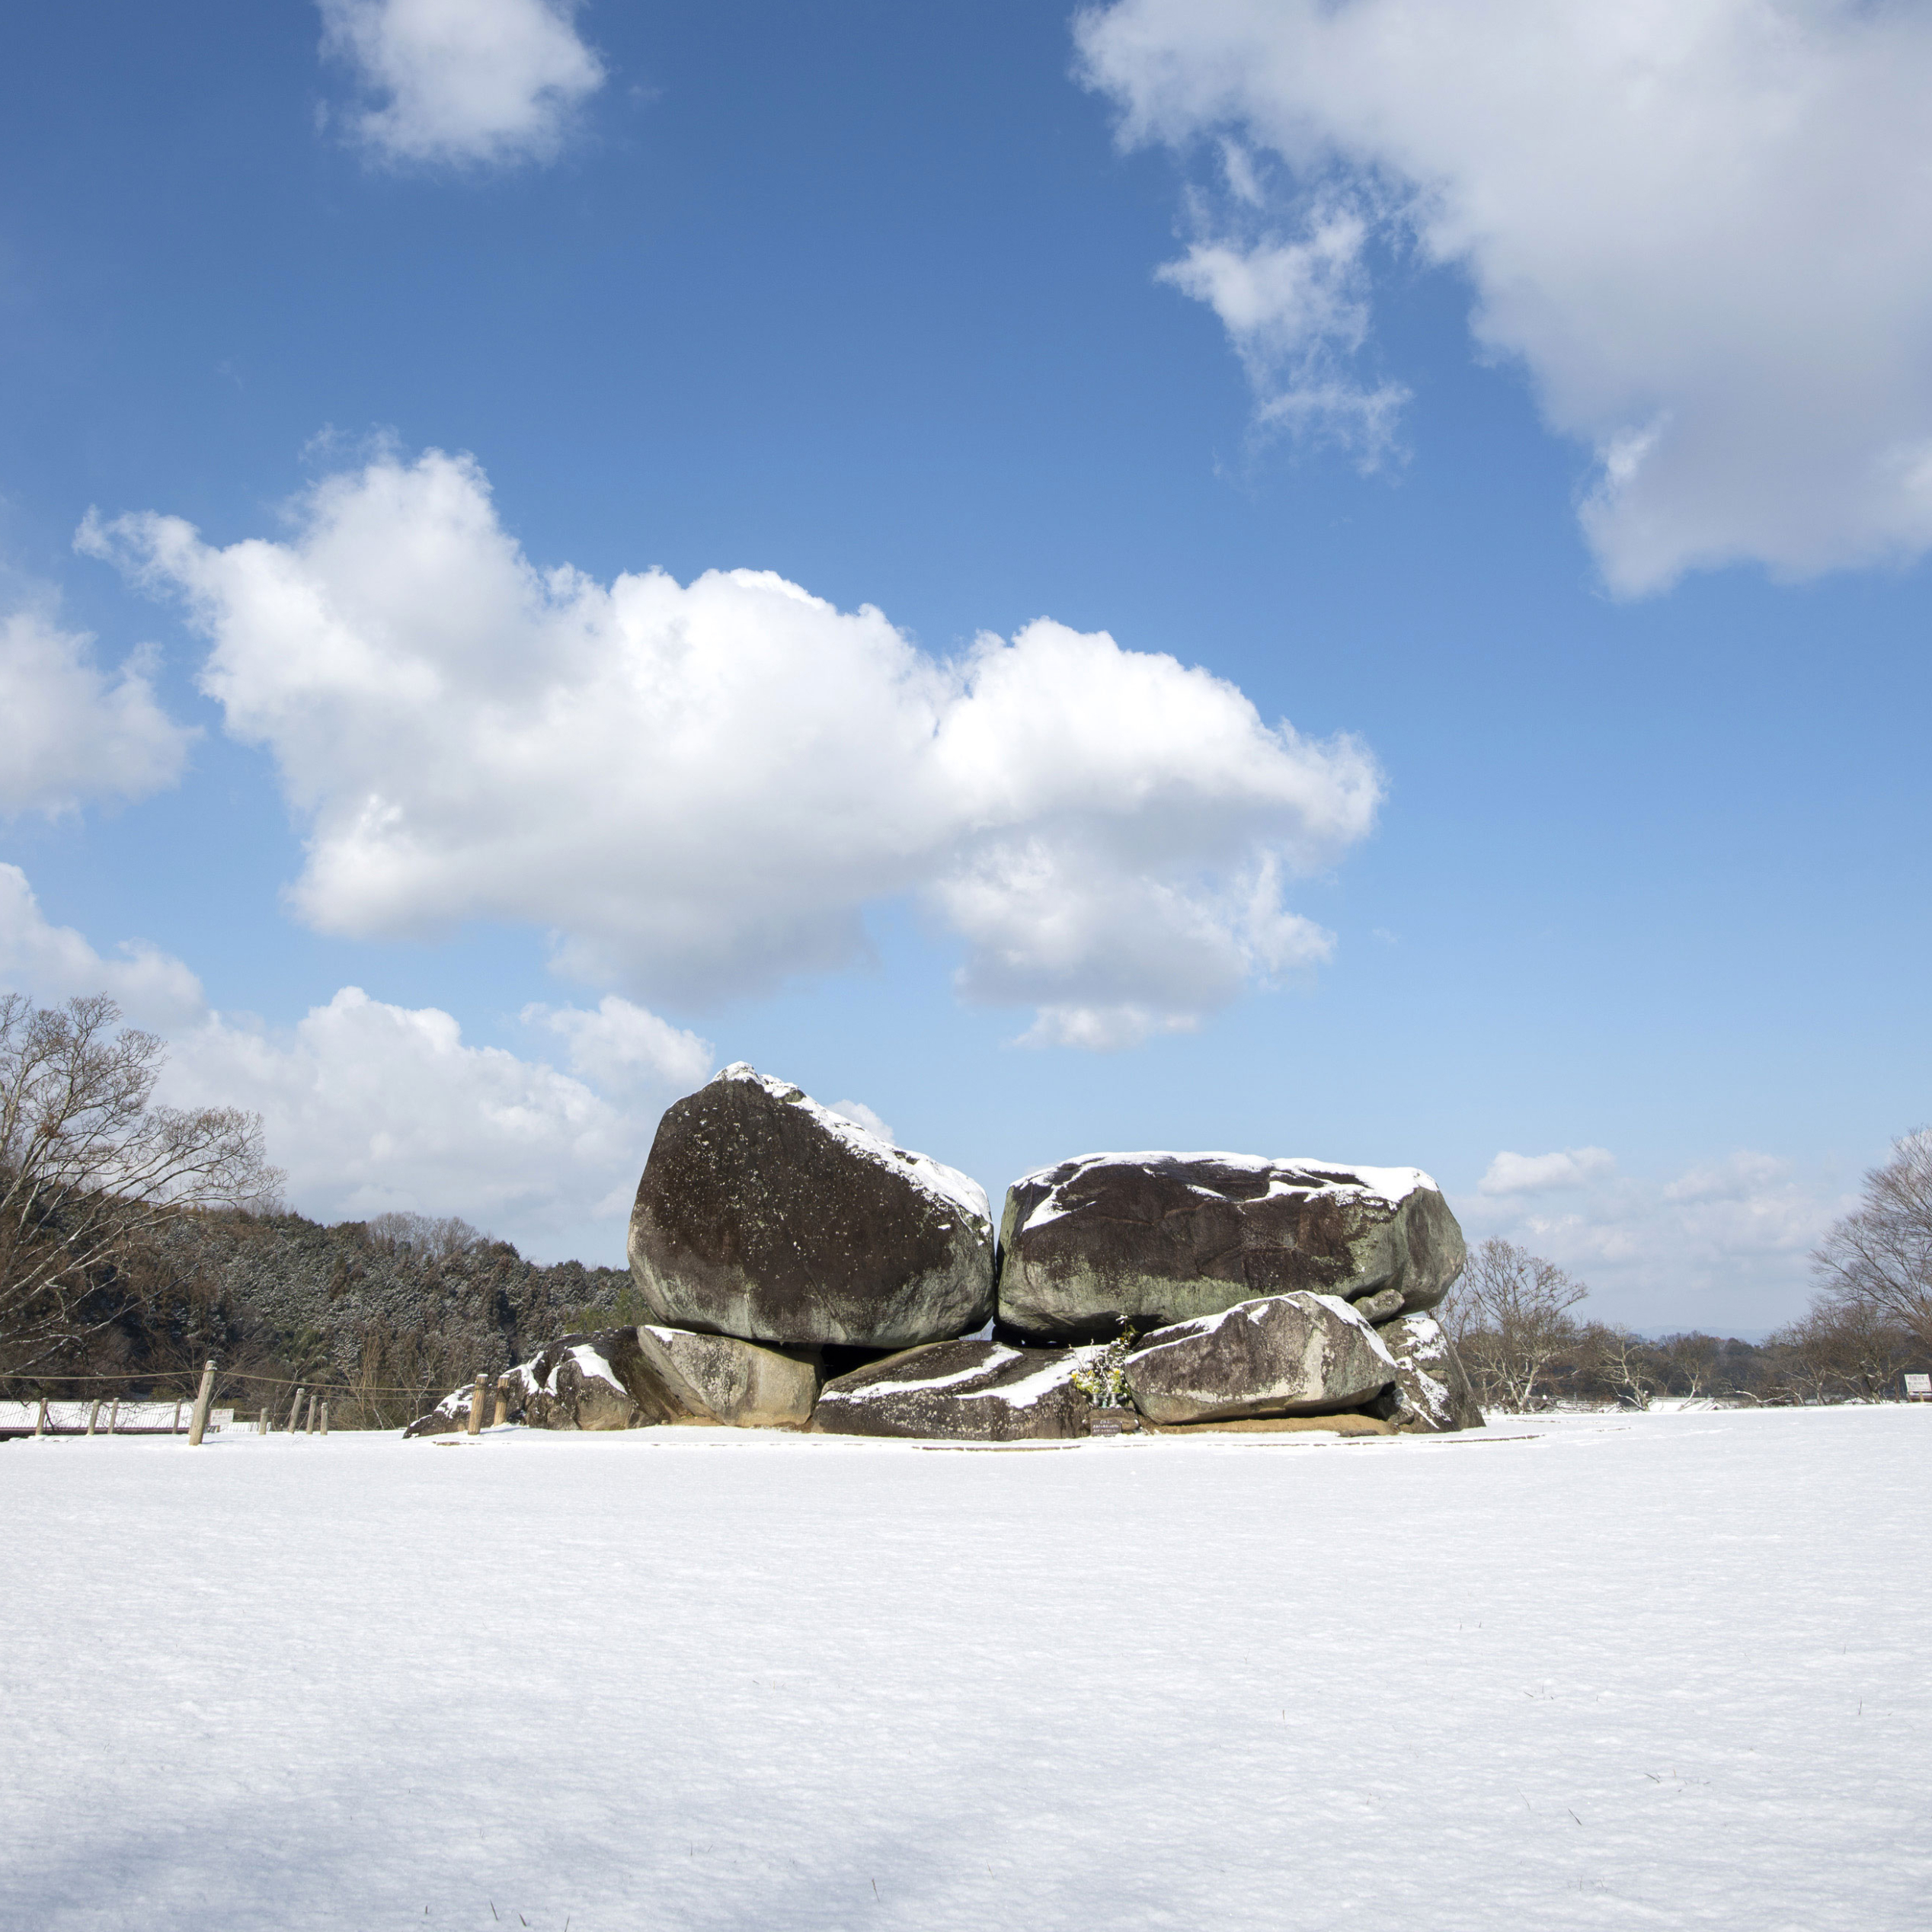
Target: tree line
[136,1240]
[1512,1317]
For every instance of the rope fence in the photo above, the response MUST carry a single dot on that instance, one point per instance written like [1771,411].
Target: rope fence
[308,1414]
[151,1376]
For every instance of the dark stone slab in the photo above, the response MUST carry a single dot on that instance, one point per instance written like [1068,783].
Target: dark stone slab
[971,1391]
[1151,1239]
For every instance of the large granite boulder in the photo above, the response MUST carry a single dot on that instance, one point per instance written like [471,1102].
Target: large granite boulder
[450,1417]
[679,1376]
[577,1383]
[1287,1354]
[971,1391]
[763,1215]
[632,1378]
[1153,1238]
[1432,1393]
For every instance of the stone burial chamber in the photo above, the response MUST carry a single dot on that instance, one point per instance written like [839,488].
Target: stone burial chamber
[804,1273]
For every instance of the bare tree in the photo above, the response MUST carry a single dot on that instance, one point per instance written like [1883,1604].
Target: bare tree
[1693,1363]
[1805,1357]
[1627,1363]
[1875,1350]
[400,1375]
[435,1240]
[1509,1318]
[1842,1351]
[1879,1258]
[89,1163]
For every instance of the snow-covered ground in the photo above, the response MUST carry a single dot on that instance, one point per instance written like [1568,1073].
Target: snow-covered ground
[132,1417]
[1664,1670]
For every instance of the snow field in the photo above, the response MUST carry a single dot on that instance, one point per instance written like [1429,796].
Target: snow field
[1662,1669]
[128,1415]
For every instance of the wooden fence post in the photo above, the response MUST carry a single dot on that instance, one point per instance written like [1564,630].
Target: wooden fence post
[113,1418]
[94,1416]
[177,1429]
[325,1415]
[198,1423]
[40,1420]
[476,1406]
[502,1398]
[295,1414]
[308,1415]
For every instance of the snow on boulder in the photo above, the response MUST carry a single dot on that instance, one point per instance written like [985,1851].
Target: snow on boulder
[764,1215]
[971,1391]
[574,1383]
[632,1378]
[1153,1238]
[679,1376]
[579,1383]
[450,1417]
[1432,1393]
[1284,1354]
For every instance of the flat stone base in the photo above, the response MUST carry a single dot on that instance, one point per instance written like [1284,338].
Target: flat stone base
[1352,1422]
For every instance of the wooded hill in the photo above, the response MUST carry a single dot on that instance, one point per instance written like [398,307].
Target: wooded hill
[386,1312]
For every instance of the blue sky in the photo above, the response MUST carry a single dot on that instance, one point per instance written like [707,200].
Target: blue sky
[1532,420]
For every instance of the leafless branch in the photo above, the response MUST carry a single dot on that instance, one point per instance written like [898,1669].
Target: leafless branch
[89,1161]
[1879,1258]
[1509,1317]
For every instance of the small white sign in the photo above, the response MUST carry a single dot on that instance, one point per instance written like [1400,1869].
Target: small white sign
[1918,1388]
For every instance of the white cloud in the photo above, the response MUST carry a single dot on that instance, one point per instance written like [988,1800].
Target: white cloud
[52,963]
[73,732]
[1705,226]
[862,1115]
[463,80]
[1538,1173]
[1049,917]
[1102,1029]
[369,1107]
[699,788]
[1725,1246]
[620,1046]
[1740,1177]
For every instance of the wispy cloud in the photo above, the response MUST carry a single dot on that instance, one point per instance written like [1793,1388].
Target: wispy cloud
[1723,1245]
